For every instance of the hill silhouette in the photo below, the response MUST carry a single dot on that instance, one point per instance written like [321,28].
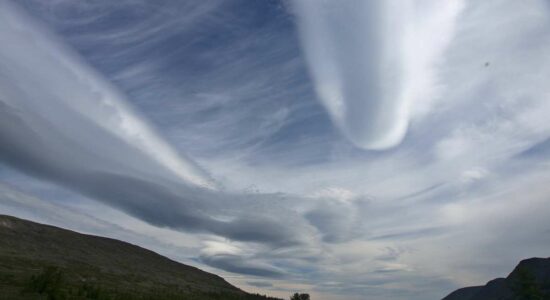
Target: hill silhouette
[530,280]
[45,262]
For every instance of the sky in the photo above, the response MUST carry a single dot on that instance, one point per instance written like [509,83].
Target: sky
[380,150]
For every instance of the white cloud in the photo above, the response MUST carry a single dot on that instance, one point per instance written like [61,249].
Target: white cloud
[97,220]
[412,222]
[41,75]
[373,62]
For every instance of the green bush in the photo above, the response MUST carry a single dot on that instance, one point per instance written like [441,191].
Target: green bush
[49,283]
[297,296]
[56,284]
[526,288]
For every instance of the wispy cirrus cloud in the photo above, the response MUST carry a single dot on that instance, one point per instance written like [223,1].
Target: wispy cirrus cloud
[42,75]
[295,201]
[62,122]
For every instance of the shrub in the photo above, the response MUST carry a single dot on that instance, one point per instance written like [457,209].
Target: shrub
[49,282]
[297,296]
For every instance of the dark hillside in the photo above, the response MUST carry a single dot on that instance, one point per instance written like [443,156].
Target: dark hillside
[45,262]
[530,280]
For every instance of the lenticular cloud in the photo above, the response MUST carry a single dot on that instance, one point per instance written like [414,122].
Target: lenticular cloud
[373,61]
[42,78]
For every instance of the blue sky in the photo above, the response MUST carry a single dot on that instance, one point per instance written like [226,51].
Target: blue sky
[352,150]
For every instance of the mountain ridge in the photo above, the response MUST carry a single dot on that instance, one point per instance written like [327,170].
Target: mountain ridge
[530,280]
[70,263]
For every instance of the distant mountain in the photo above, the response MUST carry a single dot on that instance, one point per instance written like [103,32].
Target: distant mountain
[530,280]
[44,262]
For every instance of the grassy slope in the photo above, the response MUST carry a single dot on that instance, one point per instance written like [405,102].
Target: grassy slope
[39,260]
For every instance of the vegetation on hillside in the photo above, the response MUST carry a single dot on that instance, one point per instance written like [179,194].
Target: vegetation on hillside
[526,286]
[48,263]
[52,284]
[297,296]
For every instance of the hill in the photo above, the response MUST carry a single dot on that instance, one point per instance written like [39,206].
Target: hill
[530,280]
[45,262]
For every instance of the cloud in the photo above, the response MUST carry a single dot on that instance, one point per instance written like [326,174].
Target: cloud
[373,61]
[335,220]
[23,205]
[42,75]
[261,284]
[26,206]
[318,214]
[61,121]
[241,265]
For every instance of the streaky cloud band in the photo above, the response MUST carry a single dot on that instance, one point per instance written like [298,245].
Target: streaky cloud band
[42,75]
[62,122]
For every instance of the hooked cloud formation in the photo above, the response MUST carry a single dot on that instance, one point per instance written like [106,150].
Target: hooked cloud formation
[373,61]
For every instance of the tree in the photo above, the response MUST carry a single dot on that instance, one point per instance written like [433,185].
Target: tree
[297,296]
[526,286]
